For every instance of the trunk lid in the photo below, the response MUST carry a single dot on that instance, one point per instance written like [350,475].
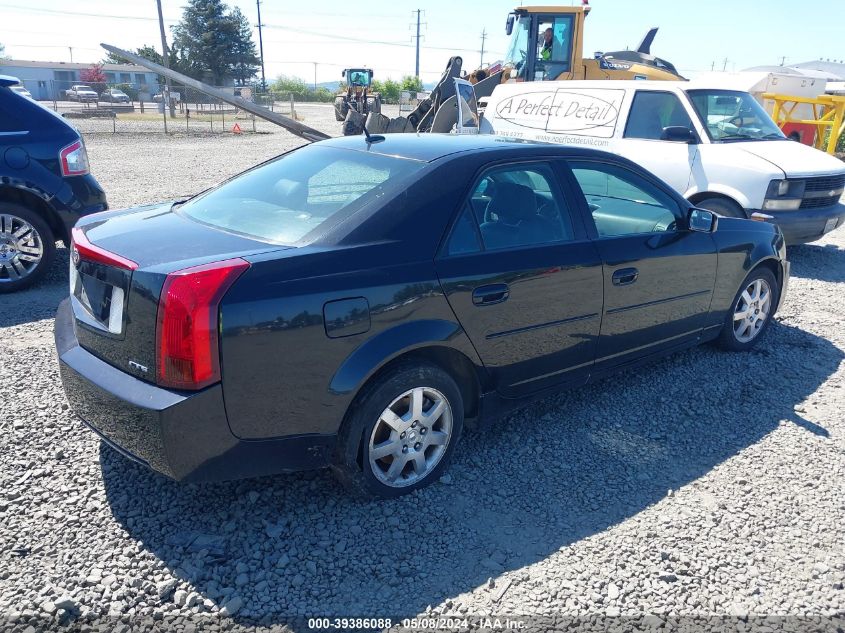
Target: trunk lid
[117,271]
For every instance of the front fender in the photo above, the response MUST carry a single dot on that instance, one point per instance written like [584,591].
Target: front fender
[388,345]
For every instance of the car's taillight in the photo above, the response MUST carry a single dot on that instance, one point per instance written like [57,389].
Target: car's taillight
[74,159]
[187,350]
[82,249]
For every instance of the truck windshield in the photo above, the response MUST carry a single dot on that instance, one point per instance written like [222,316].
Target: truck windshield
[730,115]
[518,47]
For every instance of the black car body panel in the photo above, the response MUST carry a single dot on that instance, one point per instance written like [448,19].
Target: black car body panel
[306,327]
[30,141]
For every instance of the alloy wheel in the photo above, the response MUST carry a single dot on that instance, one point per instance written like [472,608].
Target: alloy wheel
[752,310]
[21,248]
[410,437]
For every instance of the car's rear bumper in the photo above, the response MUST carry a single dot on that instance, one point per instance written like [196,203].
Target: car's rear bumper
[807,225]
[182,435]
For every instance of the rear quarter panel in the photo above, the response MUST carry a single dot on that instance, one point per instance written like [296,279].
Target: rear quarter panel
[283,375]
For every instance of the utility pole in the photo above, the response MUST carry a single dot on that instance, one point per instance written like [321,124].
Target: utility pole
[725,65]
[166,59]
[782,60]
[483,37]
[315,76]
[70,48]
[261,46]
[417,68]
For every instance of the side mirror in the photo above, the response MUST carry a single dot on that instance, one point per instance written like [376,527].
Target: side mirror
[702,220]
[678,134]
[343,73]
[509,24]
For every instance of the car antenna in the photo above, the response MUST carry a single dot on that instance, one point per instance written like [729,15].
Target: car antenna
[372,138]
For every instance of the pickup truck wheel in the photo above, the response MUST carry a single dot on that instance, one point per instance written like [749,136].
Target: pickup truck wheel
[400,434]
[751,312]
[722,206]
[27,247]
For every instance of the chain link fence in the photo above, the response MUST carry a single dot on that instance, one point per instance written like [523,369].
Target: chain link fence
[131,108]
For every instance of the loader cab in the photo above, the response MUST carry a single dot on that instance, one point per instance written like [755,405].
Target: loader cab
[545,44]
[358,77]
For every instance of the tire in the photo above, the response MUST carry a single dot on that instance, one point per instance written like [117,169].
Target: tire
[414,451]
[340,109]
[27,247]
[739,335]
[722,206]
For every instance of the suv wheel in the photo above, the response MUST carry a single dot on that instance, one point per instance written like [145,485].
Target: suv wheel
[27,247]
[400,434]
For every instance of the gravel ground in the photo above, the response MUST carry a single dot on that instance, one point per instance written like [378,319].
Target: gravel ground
[708,484]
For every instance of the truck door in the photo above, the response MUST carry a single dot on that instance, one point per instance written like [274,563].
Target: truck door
[651,111]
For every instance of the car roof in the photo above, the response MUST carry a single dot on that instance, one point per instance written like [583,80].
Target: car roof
[430,147]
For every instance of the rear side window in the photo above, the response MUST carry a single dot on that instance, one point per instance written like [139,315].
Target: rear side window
[10,122]
[653,111]
[285,199]
[518,205]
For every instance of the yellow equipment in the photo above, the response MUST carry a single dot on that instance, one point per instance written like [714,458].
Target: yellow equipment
[547,44]
[828,114]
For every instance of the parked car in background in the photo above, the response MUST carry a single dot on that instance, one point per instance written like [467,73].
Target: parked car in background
[176,97]
[45,186]
[83,94]
[401,286]
[113,95]
[21,90]
[718,148]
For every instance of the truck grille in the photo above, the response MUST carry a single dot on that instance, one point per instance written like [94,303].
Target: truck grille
[822,192]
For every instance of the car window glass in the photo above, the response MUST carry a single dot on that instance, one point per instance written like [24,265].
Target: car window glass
[464,237]
[285,199]
[622,203]
[554,43]
[517,206]
[653,111]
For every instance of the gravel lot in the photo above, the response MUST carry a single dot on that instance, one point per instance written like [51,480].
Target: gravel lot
[708,484]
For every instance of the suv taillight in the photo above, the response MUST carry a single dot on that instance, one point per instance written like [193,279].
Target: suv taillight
[187,349]
[74,159]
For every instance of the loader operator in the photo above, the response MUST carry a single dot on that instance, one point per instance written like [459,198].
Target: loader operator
[546,51]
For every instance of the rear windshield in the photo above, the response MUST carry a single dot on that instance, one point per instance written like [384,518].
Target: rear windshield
[287,198]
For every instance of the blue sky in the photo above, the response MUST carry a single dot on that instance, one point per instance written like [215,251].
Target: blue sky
[693,35]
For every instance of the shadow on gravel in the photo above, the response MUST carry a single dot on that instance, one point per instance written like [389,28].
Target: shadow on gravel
[547,476]
[812,261]
[39,301]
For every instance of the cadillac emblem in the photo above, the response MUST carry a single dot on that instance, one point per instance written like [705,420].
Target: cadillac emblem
[74,255]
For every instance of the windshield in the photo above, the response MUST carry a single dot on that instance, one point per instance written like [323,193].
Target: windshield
[285,199]
[733,116]
[359,77]
[518,47]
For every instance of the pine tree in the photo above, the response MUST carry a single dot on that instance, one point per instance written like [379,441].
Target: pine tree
[211,43]
[245,61]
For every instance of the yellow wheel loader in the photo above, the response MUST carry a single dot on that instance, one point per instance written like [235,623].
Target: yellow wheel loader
[546,44]
[357,98]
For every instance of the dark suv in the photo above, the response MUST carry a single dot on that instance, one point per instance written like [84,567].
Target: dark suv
[45,186]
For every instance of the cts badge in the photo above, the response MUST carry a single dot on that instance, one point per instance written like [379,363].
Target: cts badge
[138,366]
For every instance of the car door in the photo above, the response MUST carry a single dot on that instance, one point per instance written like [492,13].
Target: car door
[523,279]
[658,275]
[650,112]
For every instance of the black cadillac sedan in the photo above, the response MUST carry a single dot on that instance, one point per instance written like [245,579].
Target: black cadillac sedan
[351,304]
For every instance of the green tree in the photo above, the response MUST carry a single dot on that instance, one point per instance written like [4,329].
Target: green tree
[412,83]
[245,61]
[286,84]
[146,51]
[211,43]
